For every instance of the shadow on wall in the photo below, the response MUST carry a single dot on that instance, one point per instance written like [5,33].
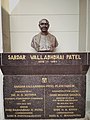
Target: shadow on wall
[6,30]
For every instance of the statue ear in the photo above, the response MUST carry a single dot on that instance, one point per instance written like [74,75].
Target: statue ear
[48,25]
[39,25]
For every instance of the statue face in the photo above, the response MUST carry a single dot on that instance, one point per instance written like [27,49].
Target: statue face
[44,25]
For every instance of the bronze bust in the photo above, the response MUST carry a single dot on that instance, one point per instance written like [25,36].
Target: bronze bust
[44,41]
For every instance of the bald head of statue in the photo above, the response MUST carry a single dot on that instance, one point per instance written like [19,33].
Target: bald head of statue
[44,26]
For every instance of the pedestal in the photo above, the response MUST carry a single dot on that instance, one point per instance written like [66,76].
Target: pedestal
[44,85]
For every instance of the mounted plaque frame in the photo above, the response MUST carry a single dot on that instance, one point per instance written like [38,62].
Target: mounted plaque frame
[44,85]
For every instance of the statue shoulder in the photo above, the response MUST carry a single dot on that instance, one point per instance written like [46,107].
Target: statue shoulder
[52,36]
[53,40]
[36,37]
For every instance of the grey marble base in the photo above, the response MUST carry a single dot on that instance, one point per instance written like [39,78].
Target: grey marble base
[44,96]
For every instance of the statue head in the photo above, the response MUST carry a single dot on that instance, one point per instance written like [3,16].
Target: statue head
[44,26]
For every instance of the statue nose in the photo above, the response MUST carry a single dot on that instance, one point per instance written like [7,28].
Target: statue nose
[44,25]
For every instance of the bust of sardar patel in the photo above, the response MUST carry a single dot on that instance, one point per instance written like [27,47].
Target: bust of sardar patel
[44,41]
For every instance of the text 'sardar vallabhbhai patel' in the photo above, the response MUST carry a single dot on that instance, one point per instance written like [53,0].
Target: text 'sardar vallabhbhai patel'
[44,41]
